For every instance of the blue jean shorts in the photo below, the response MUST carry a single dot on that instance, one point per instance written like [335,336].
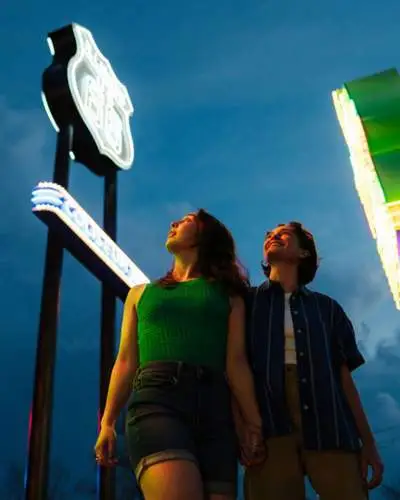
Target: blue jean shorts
[180,411]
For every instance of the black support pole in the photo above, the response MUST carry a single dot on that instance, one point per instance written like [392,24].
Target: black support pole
[42,406]
[108,317]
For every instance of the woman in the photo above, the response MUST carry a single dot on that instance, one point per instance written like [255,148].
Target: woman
[182,339]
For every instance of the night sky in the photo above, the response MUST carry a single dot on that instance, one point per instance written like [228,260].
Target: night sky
[233,113]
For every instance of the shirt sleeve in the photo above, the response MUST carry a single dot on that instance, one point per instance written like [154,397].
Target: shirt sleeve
[346,348]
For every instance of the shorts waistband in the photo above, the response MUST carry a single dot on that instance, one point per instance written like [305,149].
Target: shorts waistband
[180,368]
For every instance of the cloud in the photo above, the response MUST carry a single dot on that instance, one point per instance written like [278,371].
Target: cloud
[24,142]
[354,284]
[24,139]
[378,382]
[389,407]
[381,373]
[389,350]
[264,60]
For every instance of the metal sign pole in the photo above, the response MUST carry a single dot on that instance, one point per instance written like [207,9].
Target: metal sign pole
[39,440]
[79,72]
[108,317]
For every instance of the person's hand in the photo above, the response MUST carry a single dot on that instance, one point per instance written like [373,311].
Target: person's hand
[105,446]
[252,447]
[370,458]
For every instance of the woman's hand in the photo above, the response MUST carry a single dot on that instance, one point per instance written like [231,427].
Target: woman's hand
[370,458]
[252,446]
[105,446]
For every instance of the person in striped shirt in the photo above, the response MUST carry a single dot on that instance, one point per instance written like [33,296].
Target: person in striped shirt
[302,350]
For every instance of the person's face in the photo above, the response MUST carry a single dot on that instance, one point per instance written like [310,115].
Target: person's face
[183,234]
[282,245]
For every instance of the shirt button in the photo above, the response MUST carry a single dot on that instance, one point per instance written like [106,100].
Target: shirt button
[295,312]
[305,407]
[301,354]
[304,380]
[299,330]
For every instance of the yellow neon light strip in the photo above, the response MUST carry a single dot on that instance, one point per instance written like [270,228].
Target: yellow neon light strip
[383,219]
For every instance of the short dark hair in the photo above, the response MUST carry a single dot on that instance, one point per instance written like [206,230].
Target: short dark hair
[308,265]
[217,258]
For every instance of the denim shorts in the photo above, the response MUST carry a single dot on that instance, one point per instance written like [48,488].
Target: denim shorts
[181,411]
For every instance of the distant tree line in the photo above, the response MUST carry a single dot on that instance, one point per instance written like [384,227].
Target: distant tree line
[62,487]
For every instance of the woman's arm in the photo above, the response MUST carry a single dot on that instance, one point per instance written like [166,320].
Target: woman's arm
[125,366]
[238,370]
[370,455]
[237,417]
[353,398]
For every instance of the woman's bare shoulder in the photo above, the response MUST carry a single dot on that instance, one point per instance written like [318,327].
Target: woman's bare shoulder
[135,294]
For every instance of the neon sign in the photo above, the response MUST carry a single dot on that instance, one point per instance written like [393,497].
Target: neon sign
[93,90]
[52,199]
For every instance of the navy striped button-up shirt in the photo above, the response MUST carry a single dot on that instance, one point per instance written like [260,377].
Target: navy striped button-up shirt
[325,340]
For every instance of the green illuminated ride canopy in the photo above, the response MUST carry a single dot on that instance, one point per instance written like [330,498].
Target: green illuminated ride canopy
[377,101]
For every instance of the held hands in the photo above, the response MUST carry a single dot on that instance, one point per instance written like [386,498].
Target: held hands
[370,458]
[250,437]
[252,447]
[105,446]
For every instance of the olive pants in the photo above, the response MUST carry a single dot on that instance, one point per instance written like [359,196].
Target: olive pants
[334,475]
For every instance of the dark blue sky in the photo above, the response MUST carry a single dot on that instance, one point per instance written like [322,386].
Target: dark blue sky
[233,113]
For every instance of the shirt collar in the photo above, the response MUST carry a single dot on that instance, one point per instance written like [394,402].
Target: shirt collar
[268,284]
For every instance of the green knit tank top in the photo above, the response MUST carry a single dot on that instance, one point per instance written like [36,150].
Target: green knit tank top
[187,322]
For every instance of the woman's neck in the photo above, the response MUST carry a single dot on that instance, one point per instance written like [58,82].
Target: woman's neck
[286,275]
[185,267]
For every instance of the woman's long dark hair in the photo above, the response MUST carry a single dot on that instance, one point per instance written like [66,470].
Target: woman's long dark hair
[217,259]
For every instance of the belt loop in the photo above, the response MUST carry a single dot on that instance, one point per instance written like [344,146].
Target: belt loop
[179,369]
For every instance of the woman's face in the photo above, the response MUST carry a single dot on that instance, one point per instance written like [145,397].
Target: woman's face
[183,234]
[282,245]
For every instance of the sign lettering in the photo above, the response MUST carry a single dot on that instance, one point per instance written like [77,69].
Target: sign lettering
[101,99]
[50,197]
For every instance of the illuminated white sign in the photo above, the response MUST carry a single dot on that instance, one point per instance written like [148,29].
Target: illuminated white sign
[101,99]
[50,197]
